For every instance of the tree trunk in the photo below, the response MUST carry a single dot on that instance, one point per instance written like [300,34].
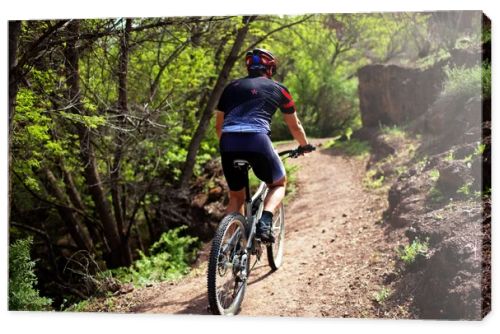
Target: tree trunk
[14,32]
[116,188]
[76,200]
[194,145]
[91,174]
[67,215]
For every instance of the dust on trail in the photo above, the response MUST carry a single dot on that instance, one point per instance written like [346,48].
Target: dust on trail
[336,252]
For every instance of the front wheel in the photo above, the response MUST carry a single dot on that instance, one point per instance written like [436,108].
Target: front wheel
[228,266]
[276,249]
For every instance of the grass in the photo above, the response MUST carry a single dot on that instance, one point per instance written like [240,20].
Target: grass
[479,150]
[422,162]
[435,195]
[465,82]
[450,156]
[400,170]
[411,252]
[283,142]
[81,306]
[353,147]
[373,183]
[434,175]
[382,295]
[438,216]
[465,189]
[393,131]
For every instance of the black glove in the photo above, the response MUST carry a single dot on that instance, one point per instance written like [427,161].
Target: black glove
[305,149]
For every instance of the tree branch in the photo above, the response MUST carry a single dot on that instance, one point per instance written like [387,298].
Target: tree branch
[260,40]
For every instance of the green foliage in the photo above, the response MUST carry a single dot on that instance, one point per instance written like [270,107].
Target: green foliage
[382,295]
[486,193]
[464,82]
[81,306]
[23,295]
[434,175]
[169,258]
[91,122]
[435,195]
[400,170]
[450,156]
[479,150]
[372,182]
[465,189]
[411,252]
[395,131]
[319,61]
[486,79]
[171,72]
[353,147]
[422,162]
[291,186]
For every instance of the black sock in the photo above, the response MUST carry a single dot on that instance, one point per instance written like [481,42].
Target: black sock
[267,216]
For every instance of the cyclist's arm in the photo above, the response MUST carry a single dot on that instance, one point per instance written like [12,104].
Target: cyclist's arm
[219,120]
[296,129]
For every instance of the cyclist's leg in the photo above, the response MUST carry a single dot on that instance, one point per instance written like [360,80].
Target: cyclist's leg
[236,201]
[235,180]
[275,194]
[269,168]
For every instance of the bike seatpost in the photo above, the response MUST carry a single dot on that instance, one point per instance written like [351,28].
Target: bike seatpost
[248,198]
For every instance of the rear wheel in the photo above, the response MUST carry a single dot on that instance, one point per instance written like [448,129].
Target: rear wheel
[276,249]
[228,266]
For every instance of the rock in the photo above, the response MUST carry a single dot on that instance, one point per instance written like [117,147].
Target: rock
[215,193]
[199,200]
[126,288]
[452,176]
[407,92]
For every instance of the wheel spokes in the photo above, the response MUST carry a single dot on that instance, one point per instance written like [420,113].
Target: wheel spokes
[229,266]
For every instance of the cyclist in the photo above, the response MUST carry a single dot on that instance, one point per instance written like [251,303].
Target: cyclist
[243,124]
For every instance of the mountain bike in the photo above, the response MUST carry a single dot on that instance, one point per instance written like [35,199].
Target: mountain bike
[235,243]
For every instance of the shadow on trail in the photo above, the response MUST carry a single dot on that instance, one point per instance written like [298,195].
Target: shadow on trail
[255,279]
[198,304]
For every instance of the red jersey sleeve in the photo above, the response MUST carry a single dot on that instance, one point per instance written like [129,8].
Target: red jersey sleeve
[287,104]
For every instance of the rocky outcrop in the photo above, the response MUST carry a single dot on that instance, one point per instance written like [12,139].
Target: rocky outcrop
[439,198]
[390,94]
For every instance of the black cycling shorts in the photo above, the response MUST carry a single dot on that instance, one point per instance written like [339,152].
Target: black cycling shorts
[258,150]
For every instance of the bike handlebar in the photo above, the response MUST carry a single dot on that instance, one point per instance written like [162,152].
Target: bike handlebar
[297,152]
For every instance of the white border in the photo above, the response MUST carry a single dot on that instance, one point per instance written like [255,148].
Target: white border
[88,323]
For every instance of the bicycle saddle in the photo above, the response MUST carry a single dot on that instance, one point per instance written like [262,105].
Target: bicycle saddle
[240,163]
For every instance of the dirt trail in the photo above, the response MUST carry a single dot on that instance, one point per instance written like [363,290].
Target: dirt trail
[336,252]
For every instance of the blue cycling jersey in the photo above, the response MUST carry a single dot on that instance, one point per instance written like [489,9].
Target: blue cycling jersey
[249,104]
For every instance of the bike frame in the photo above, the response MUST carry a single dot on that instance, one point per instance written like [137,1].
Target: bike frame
[250,201]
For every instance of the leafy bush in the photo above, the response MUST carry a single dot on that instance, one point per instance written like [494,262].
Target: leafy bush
[22,279]
[463,82]
[410,252]
[169,259]
[486,80]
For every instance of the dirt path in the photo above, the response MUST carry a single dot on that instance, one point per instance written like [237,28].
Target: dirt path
[336,253]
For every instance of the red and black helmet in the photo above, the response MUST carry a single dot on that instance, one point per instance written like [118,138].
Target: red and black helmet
[261,60]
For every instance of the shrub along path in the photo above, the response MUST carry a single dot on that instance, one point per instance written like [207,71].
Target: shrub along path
[337,254]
